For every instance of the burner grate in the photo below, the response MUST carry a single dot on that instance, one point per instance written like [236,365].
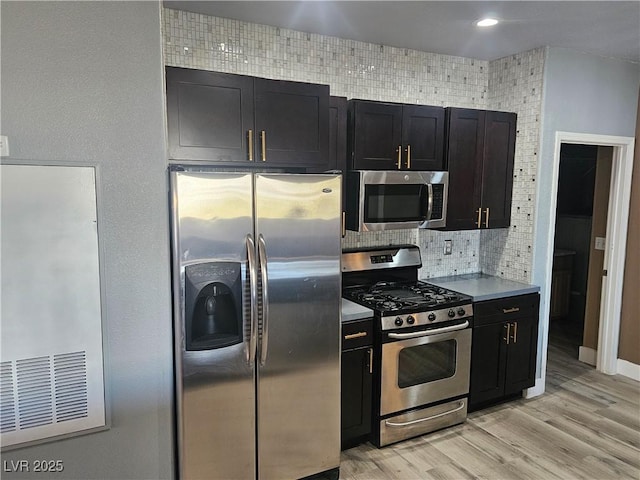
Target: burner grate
[395,296]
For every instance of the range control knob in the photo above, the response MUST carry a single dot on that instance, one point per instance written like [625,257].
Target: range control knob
[398,321]
[461,311]
[411,320]
[451,313]
[432,317]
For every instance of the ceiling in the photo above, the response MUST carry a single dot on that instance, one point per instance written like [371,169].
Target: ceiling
[606,28]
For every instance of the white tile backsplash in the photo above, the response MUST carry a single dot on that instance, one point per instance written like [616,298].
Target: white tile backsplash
[464,258]
[379,72]
[352,69]
[515,85]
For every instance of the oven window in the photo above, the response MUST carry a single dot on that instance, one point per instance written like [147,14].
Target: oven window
[426,363]
[395,203]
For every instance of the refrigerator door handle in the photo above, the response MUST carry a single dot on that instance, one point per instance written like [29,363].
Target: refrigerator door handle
[253,286]
[262,256]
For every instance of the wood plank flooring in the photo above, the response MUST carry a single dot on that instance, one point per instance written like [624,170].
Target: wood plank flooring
[585,426]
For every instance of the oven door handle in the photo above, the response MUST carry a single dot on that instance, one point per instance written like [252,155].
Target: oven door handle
[423,333]
[420,420]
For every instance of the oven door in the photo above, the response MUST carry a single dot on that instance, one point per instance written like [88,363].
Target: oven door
[423,367]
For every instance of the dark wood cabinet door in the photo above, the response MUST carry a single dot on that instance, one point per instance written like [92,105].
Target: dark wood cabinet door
[423,137]
[497,170]
[376,135]
[488,363]
[209,115]
[292,123]
[356,396]
[337,133]
[465,147]
[504,348]
[521,355]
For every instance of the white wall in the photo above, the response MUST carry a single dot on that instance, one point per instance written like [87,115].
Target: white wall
[582,94]
[82,83]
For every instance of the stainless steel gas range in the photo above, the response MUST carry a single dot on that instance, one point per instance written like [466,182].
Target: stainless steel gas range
[422,344]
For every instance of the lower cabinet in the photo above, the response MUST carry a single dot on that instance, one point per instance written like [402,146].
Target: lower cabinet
[356,382]
[504,347]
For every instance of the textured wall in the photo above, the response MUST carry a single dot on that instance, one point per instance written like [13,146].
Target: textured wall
[82,83]
[377,72]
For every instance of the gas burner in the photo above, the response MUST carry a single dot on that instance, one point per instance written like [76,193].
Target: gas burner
[388,296]
[388,306]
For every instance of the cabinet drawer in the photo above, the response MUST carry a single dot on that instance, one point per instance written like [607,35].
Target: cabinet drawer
[358,333]
[505,309]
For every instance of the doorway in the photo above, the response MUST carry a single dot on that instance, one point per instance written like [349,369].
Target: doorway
[579,244]
[614,255]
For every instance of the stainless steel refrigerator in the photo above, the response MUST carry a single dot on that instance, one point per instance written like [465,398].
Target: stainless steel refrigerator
[256,287]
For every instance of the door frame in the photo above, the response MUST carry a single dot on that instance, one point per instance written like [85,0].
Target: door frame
[615,249]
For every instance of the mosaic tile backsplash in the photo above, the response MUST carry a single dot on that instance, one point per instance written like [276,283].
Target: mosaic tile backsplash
[378,72]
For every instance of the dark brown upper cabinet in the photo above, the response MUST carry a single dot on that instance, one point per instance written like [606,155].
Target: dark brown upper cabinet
[391,136]
[240,120]
[480,152]
[337,133]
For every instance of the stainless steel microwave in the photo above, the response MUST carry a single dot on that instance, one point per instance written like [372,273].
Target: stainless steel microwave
[391,200]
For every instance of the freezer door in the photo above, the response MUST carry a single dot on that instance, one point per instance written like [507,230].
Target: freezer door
[212,222]
[298,237]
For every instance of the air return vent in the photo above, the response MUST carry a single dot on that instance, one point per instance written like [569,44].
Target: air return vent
[35,405]
[7,399]
[51,358]
[43,391]
[70,385]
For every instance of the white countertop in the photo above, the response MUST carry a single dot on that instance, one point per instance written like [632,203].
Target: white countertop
[482,287]
[353,311]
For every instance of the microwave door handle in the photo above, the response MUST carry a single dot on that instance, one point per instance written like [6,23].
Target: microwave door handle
[429,200]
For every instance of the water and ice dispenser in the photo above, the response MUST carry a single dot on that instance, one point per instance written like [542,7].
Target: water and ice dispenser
[213,305]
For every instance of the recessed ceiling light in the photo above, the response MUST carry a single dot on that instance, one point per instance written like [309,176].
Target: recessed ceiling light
[487,22]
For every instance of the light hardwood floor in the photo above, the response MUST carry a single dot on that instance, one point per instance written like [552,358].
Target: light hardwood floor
[586,425]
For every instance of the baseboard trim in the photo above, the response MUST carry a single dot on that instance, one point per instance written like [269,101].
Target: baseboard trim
[587,355]
[536,390]
[628,369]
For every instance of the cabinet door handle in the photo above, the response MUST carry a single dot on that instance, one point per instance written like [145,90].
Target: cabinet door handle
[250,145]
[486,220]
[351,336]
[511,310]
[408,156]
[263,141]
[399,162]
[344,225]
[479,222]
[515,332]
[371,360]
[508,328]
